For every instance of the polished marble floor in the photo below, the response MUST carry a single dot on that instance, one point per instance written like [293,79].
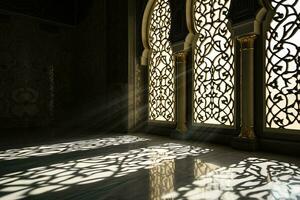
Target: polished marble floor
[144,167]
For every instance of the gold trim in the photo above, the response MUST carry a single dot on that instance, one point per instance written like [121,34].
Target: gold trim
[247,41]
[180,57]
[247,133]
[145,31]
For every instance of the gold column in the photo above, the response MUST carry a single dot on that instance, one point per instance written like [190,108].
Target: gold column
[247,86]
[180,58]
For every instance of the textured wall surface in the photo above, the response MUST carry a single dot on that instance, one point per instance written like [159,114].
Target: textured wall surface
[72,76]
[34,68]
[64,12]
[100,67]
[141,72]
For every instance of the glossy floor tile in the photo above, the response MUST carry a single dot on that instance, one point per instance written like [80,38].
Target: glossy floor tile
[144,167]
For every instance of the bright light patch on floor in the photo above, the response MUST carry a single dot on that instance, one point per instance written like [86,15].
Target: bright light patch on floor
[82,145]
[252,178]
[62,176]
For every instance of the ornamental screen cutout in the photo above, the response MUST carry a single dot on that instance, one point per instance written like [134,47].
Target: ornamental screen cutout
[213,73]
[161,66]
[283,66]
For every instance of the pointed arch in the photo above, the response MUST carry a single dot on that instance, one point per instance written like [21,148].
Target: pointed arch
[145,31]
[282,65]
[213,64]
[158,56]
[190,24]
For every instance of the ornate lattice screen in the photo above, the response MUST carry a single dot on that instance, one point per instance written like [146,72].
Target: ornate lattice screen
[283,66]
[161,66]
[213,73]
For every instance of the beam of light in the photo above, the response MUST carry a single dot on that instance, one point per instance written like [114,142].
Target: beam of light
[82,145]
[61,176]
[252,178]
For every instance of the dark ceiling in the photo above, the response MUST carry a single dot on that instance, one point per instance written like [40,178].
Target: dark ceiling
[68,12]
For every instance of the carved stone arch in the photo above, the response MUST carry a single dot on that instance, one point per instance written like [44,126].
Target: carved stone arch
[213,64]
[190,24]
[145,31]
[265,7]
[158,57]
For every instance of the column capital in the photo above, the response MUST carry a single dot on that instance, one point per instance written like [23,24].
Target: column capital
[180,56]
[247,41]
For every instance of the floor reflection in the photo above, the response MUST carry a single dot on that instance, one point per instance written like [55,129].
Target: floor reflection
[68,147]
[160,170]
[61,176]
[252,178]
[202,168]
[162,179]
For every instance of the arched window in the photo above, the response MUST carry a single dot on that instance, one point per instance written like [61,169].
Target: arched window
[283,66]
[213,60]
[161,96]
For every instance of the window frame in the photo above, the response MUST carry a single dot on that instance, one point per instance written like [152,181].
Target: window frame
[266,132]
[145,60]
[236,118]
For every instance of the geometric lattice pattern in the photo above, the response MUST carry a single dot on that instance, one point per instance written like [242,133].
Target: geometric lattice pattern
[61,176]
[213,72]
[68,147]
[161,65]
[283,66]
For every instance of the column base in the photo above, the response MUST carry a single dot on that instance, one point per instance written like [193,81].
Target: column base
[182,129]
[181,135]
[244,144]
[247,132]
[246,140]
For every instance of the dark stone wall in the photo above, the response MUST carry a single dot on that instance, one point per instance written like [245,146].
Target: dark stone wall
[117,64]
[88,74]
[73,76]
[89,71]
[141,72]
[243,10]
[59,11]
[179,28]
[100,68]
[35,61]
[65,76]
